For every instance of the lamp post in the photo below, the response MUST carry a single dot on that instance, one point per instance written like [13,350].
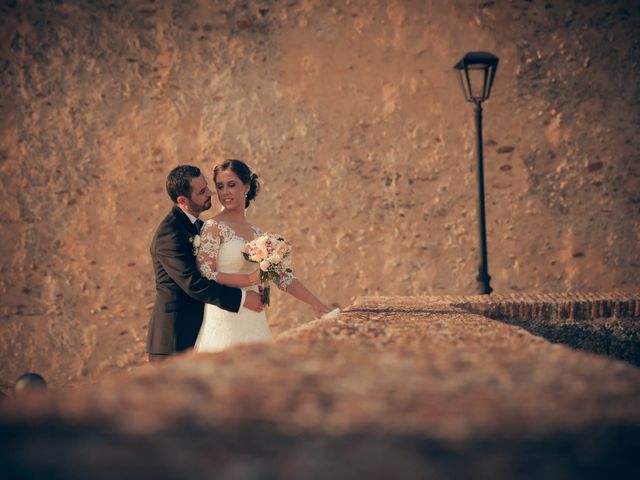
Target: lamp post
[476,72]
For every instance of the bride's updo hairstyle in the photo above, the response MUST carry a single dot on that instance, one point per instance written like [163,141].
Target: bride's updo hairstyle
[244,173]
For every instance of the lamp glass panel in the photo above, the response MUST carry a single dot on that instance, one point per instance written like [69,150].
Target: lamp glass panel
[477,78]
[462,80]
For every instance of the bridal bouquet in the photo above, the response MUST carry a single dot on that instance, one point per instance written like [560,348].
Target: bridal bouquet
[273,254]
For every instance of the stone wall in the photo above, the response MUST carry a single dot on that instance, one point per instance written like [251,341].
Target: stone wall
[605,323]
[391,388]
[351,115]
[555,307]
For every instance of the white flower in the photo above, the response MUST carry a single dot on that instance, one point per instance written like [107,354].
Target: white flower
[275,259]
[195,241]
[264,265]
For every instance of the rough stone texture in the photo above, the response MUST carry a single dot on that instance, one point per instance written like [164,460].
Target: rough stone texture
[606,323]
[351,115]
[555,307]
[393,387]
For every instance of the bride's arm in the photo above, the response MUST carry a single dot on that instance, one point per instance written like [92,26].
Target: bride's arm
[296,288]
[238,279]
[207,260]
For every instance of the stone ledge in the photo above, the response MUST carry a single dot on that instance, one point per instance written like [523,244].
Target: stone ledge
[602,323]
[569,306]
[417,390]
[550,307]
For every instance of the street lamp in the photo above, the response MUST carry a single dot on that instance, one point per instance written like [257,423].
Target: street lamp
[476,72]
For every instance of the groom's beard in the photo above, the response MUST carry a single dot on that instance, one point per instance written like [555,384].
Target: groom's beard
[196,209]
[203,208]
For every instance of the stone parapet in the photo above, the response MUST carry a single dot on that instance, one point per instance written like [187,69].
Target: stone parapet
[554,307]
[603,323]
[393,387]
[551,306]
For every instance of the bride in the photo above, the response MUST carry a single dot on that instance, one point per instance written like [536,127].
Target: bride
[219,257]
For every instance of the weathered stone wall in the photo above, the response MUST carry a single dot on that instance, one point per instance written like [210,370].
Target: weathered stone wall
[392,388]
[351,115]
[601,323]
[604,323]
[555,307]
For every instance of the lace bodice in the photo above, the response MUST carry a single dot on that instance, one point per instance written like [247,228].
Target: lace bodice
[220,250]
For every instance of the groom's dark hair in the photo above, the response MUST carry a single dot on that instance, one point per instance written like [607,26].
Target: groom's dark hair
[179,181]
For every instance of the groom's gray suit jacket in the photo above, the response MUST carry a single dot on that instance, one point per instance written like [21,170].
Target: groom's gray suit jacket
[181,290]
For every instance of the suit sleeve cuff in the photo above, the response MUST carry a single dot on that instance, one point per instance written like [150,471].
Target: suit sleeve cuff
[244,295]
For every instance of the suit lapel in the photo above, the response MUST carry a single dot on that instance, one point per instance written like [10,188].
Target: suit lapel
[191,228]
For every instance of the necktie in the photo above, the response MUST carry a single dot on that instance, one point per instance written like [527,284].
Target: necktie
[198,223]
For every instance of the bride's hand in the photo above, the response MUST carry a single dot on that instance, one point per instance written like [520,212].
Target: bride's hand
[254,277]
[320,309]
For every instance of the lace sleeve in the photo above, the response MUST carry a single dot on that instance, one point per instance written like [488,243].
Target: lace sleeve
[207,252]
[286,278]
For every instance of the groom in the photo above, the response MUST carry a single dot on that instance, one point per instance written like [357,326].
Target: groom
[181,291]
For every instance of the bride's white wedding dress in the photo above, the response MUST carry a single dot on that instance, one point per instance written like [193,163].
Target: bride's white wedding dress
[220,250]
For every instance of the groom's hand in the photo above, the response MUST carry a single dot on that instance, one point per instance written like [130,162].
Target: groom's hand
[253,301]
